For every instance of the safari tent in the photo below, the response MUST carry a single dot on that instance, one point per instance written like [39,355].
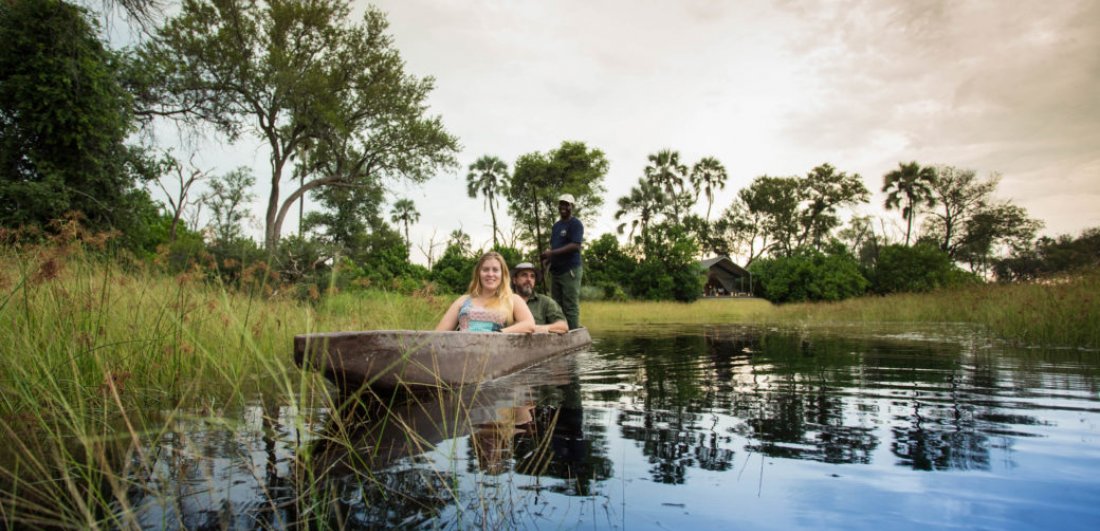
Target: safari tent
[725,278]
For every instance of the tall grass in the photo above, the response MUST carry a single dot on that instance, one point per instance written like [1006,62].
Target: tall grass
[99,354]
[1062,312]
[601,315]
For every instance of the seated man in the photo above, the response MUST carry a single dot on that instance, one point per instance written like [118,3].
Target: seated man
[548,315]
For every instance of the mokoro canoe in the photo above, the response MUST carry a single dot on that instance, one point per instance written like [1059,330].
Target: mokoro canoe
[393,359]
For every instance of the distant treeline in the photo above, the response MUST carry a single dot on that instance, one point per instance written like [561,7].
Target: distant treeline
[341,119]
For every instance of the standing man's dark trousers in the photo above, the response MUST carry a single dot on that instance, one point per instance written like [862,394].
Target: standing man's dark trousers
[566,289]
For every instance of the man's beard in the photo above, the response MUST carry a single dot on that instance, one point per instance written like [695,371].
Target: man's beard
[525,290]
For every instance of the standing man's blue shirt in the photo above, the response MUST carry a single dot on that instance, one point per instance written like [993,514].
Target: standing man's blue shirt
[564,233]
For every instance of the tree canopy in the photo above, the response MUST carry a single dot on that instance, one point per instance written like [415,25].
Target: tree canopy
[538,180]
[64,120]
[329,95]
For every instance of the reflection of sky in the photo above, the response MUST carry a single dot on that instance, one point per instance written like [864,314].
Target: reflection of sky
[827,433]
[212,472]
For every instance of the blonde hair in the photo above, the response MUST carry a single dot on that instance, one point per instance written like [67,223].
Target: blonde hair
[502,297]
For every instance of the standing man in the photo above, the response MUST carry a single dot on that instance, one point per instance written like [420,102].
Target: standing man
[548,315]
[565,261]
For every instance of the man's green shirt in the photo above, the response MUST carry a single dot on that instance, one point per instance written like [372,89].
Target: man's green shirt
[545,309]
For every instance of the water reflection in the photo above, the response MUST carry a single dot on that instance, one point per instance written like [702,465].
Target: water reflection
[610,431]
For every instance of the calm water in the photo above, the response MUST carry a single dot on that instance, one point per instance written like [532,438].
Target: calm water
[683,428]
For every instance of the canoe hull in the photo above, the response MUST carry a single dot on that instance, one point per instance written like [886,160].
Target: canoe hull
[392,359]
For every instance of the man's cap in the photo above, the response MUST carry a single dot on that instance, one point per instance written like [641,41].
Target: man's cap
[568,198]
[524,265]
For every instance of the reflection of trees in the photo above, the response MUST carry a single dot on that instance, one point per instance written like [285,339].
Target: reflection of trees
[674,442]
[677,389]
[689,401]
[953,416]
[578,446]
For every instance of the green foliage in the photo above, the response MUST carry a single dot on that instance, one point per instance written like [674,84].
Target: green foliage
[1052,256]
[669,270]
[64,118]
[707,175]
[769,215]
[669,175]
[228,200]
[823,191]
[781,215]
[235,260]
[332,95]
[995,231]
[512,256]
[453,270]
[186,251]
[644,203]
[920,268]
[607,269]
[959,194]
[606,262]
[404,212]
[809,275]
[539,179]
[488,177]
[909,187]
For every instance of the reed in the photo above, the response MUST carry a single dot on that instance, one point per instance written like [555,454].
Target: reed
[1062,312]
[101,356]
[105,357]
[94,355]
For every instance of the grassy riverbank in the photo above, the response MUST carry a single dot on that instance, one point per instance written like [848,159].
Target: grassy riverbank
[101,355]
[1062,313]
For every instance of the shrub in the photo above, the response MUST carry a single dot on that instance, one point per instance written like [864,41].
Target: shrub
[919,268]
[810,275]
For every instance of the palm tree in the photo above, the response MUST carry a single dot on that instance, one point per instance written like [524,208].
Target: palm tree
[644,202]
[706,175]
[488,177]
[460,239]
[404,212]
[667,173]
[910,186]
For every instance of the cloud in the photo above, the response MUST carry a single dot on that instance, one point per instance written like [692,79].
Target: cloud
[767,87]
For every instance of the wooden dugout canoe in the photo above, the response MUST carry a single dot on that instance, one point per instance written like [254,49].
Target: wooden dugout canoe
[392,359]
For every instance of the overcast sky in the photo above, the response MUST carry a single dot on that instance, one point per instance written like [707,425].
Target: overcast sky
[767,87]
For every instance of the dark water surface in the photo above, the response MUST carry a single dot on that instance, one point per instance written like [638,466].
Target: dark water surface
[698,427]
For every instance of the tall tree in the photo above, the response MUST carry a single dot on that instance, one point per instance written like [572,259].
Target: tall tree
[227,200]
[823,191]
[773,202]
[178,200]
[404,212]
[539,179]
[707,175]
[998,230]
[314,87]
[461,241]
[909,187]
[347,219]
[641,205]
[742,231]
[489,178]
[667,172]
[64,119]
[959,195]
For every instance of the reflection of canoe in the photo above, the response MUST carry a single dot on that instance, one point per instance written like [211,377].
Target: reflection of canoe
[390,359]
[373,433]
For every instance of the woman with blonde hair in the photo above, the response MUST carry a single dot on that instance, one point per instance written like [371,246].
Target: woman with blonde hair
[489,304]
